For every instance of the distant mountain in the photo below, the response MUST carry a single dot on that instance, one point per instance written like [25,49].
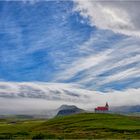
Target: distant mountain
[126,109]
[68,110]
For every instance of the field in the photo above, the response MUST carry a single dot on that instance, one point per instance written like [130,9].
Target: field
[86,125]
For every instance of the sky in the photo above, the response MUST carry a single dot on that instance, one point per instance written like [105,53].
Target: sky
[87,51]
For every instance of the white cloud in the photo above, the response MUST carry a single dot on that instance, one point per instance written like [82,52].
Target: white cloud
[43,90]
[60,94]
[123,74]
[118,62]
[83,64]
[118,16]
[128,73]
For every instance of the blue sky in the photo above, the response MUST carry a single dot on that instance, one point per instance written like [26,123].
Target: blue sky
[92,44]
[36,39]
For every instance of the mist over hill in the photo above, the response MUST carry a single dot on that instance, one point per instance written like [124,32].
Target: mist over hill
[26,97]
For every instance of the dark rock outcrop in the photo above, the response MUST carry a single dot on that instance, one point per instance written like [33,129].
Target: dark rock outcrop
[68,110]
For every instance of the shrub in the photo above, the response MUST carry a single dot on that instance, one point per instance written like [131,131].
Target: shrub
[38,136]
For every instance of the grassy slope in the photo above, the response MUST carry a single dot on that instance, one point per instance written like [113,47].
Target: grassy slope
[86,125]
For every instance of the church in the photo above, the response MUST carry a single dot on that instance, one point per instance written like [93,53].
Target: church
[102,109]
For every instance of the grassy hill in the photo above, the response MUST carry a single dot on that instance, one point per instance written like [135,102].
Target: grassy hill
[86,125]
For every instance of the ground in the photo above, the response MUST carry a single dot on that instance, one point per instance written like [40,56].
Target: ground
[85,125]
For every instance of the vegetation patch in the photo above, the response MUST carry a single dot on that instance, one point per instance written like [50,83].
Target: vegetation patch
[85,125]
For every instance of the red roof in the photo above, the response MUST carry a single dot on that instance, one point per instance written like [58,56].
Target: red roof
[101,108]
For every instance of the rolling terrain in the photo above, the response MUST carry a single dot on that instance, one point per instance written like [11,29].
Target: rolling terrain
[84,125]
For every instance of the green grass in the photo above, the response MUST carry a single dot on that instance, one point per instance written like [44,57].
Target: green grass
[86,125]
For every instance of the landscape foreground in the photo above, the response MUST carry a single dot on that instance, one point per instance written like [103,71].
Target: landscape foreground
[84,125]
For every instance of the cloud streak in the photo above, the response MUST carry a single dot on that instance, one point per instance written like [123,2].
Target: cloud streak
[118,16]
[104,67]
[47,96]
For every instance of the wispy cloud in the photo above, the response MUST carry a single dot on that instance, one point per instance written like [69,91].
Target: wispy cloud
[118,62]
[118,16]
[45,96]
[35,41]
[83,64]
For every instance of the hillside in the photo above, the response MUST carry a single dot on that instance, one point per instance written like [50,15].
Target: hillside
[86,125]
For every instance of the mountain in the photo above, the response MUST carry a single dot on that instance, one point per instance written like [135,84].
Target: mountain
[126,109]
[68,110]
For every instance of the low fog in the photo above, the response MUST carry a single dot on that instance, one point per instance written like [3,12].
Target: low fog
[49,97]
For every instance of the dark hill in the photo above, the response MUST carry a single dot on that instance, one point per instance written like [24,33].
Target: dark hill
[68,110]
